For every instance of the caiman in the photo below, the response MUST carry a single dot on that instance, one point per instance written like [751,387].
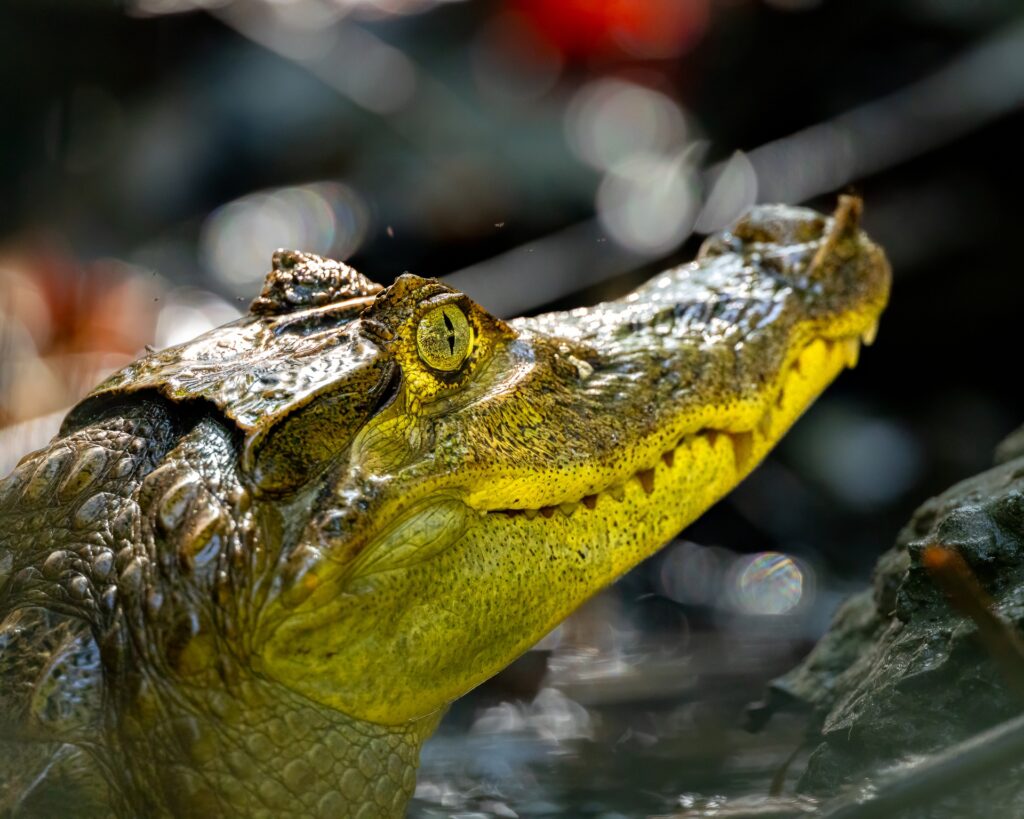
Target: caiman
[252,570]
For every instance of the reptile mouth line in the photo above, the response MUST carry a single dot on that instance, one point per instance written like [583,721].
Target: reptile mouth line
[742,442]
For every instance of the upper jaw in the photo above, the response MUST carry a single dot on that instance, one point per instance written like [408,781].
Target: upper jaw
[737,343]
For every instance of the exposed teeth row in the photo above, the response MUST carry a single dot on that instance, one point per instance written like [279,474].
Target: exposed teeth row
[742,442]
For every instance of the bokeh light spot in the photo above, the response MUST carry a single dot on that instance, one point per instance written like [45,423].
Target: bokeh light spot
[692,574]
[733,190]
[610,120]
[648,202]
[651,29]
[238,239]
[769,583]
[845,446]
[187,312]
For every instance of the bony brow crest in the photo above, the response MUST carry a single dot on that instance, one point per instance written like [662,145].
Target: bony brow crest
[436,334]
[405,300]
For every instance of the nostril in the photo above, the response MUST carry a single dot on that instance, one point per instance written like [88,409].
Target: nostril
[753,231]
[809,230]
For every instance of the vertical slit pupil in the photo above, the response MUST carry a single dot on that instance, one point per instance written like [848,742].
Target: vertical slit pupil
[451,332]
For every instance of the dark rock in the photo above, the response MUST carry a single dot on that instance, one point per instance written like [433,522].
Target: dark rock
[900,674]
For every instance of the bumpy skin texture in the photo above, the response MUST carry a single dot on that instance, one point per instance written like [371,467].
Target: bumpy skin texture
[254,569]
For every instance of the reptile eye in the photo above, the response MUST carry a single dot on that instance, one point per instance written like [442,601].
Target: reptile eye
[443,338]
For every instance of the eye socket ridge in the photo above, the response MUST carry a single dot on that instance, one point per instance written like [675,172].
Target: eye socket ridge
[444,337]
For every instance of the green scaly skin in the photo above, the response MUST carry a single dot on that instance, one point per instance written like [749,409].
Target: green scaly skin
[253,570]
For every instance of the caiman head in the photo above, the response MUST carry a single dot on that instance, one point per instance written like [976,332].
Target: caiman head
[432,489]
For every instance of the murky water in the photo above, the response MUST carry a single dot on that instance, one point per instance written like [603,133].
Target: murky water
[624,724]
[553,757]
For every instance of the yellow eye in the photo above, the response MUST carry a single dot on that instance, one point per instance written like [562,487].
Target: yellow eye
[443,338]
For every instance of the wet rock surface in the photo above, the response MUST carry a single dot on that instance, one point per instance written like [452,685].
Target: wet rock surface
[901,674]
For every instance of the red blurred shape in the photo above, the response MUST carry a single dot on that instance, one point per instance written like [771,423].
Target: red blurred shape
[648,29]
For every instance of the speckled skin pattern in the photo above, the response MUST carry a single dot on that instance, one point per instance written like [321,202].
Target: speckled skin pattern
[253,570]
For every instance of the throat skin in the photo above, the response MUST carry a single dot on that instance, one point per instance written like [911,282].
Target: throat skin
[259,750]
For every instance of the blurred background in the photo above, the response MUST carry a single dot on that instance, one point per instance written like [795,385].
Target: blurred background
[539,154]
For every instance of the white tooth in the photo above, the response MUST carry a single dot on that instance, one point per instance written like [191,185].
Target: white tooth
[851,351]
[617,492]
[567,508]
[868,336]
[530,513]
[764,426]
